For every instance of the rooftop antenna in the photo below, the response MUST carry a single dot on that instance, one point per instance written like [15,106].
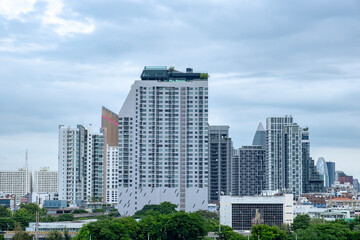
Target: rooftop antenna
[26,160]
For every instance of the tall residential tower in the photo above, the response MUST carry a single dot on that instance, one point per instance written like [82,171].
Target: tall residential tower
[283,155]
[220,152]
[163,141]
[80,164]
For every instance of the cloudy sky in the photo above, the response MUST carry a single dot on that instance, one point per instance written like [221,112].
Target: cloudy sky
[62,60]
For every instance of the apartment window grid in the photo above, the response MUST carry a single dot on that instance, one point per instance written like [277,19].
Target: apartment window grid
[243,215]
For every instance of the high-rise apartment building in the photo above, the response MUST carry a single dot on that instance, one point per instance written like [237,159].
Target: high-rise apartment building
[45,181]
[312,180]
[220,152]
[284,155]
[163,141]
[18,182]
[110,128]
[80,164]
[112,175]
[248,171]
[331,172]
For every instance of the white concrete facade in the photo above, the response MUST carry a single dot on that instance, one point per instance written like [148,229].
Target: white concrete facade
[163,145]
[227,202]
[45,181]
[112,175]
[80,164]
[16,182]
[283,155]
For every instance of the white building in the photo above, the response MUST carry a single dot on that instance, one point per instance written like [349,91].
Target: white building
[40,197]
[241,213]
[73,226]
[16,182]
[283,155]
[80,165]
[163,141]
[112,175]
[45,180]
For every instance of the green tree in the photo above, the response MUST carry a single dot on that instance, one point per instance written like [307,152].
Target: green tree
[118,229]
[47,218]
[66,234]
[207,214]
[301,221]
[79,211]
[20,234]
[211,220]
[326,231]
[155,209]
[66,217]
[183,225]
[286,228]
[32,208]
[23,216]
[7,223]
[5,211]
[54,235]
[227,233]
[265,232]
[152,226]
[2,237]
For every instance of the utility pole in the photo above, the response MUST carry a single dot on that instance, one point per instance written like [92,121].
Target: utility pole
[37,226]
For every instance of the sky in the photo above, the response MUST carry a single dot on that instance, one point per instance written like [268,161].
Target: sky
[61,61]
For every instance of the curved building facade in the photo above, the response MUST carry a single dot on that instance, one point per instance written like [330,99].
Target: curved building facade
[323,170]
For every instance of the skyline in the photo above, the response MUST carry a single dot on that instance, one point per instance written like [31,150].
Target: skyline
[63,60]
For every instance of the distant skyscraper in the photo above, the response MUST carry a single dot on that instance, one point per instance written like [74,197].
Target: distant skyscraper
[220,149]
[331,171]
[339,174]
[45,181]
[323,170]
[260,137]
[312,181]
[163,141]
[110,121]
[80,166]
[284,155]
[248,171]
[16,182]
[110,128]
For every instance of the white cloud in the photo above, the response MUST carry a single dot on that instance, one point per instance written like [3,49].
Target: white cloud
[72,23]
[63,26]
[14,9]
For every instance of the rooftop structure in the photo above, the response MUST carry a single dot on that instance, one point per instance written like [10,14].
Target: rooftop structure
[162,73]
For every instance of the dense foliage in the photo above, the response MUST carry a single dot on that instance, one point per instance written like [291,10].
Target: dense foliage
[20,234]
[152,209]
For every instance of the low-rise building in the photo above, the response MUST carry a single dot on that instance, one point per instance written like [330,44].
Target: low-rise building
[241,213]
[40,197]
